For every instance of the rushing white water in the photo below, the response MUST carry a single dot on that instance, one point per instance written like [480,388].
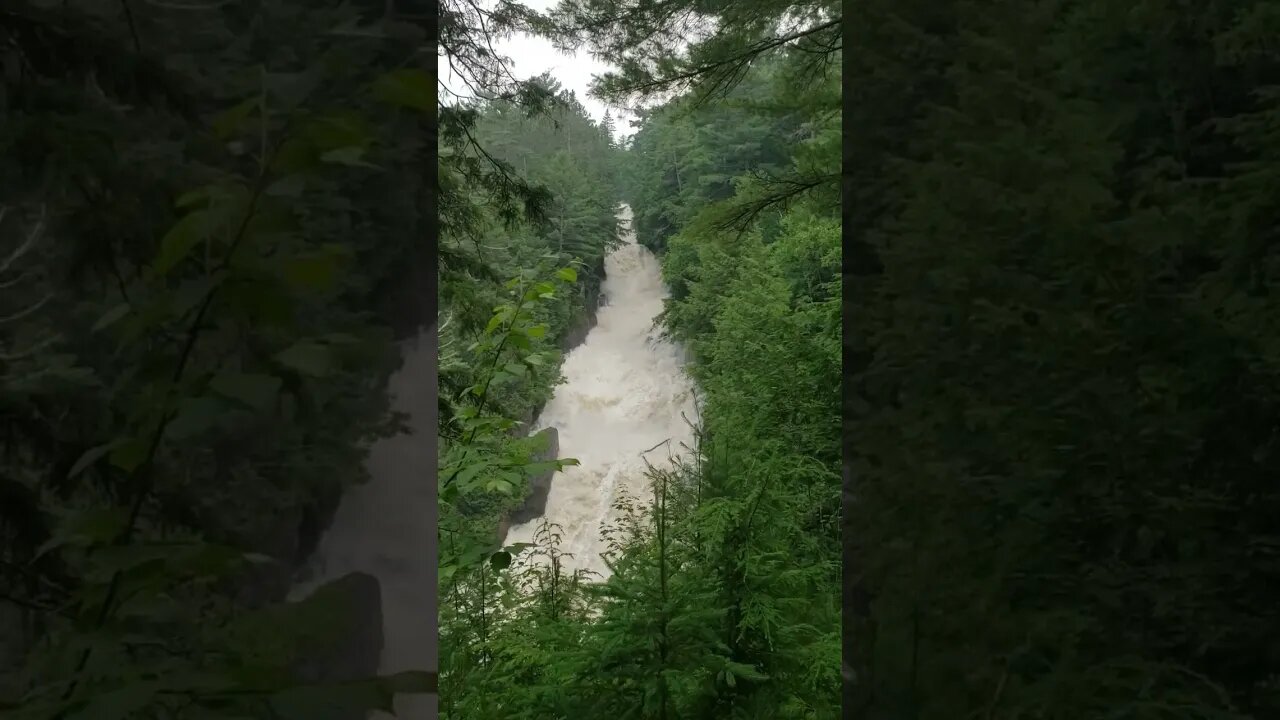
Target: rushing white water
[625,392]
[383,526]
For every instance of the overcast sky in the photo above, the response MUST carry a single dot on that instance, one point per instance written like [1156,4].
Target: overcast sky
[534,55]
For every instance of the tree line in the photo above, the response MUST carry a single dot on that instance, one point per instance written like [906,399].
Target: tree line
[1062,405]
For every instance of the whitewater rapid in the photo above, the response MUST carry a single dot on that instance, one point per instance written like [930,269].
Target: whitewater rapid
[625,392]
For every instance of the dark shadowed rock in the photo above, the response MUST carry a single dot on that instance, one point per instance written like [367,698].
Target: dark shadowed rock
[577,333]
[347,644]
[535,503]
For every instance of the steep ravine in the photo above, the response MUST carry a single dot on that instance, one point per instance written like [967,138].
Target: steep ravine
[626,400]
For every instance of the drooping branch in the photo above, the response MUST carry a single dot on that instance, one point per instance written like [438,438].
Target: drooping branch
[722,72]
[740,216]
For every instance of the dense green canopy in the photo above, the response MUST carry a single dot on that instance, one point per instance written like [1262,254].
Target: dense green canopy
[1064,401]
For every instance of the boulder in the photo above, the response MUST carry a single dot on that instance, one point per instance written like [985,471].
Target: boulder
[535,503]
[347,640]
[343,645]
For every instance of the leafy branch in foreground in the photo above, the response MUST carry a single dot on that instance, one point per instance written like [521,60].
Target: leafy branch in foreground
[485,460]
[147,627]
[666,49]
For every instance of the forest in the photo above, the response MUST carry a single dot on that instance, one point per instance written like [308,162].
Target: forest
[212,233]
[222,222]
[1062,403]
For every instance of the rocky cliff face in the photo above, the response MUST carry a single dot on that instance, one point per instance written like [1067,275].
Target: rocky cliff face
[536,501]
[577,333]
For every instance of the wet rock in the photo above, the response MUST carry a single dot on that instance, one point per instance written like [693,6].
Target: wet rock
[348,619]
[331,639]
[576,334]
[535,502]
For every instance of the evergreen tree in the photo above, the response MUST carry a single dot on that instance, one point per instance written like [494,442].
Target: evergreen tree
[1059,468]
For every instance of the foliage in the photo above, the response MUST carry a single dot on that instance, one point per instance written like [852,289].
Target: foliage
[1064,371]
[208,234]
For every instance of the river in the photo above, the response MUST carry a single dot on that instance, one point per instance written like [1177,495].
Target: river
[625,393]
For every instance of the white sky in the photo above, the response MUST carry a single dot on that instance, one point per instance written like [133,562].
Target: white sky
[532,56]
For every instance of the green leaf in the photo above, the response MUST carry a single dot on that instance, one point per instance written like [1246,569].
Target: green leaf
[308,358]
[494,322]
[108,561]
[744,671]
[199,196]
[195,416]
[541,467]
[188,295]
[111,317]
[536,331]
[567,274]
[287,186]
[87,527]
[339,130]
[469,472]
[206,560]
[253,390]
[411,88]
[91,456]
[449,493]
[129,454]
[352,156]
[231,121]
[188,232]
